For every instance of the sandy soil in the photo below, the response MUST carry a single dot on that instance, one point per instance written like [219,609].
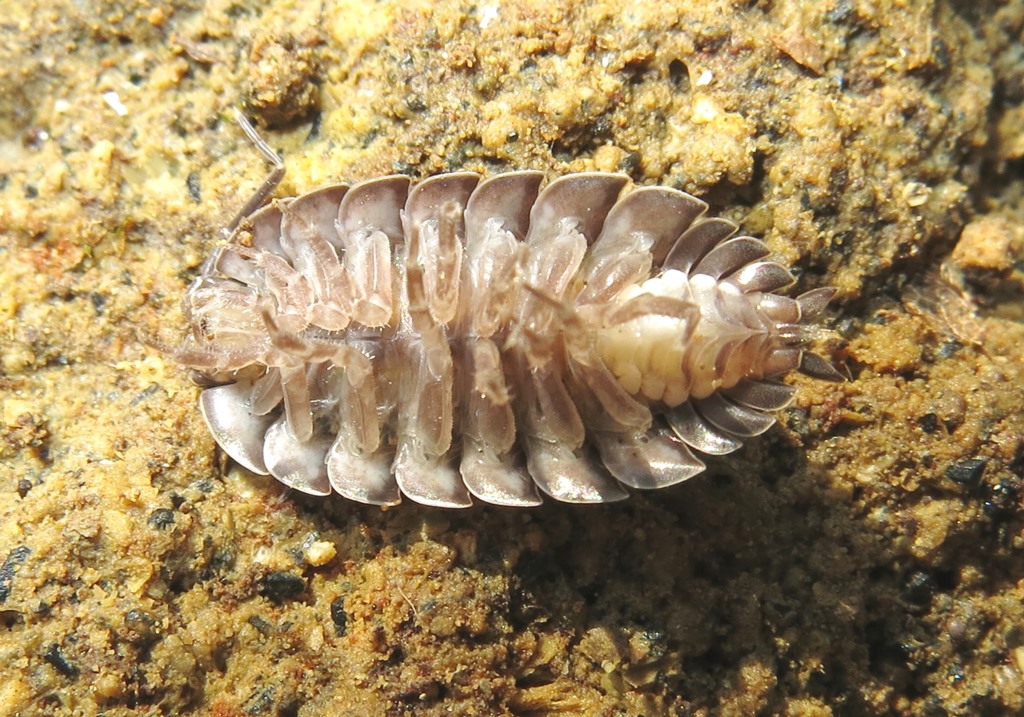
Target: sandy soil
[865,557]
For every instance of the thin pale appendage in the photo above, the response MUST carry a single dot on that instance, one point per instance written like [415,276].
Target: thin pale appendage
[269,184]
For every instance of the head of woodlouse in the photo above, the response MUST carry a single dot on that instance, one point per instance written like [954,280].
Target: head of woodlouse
[463,338]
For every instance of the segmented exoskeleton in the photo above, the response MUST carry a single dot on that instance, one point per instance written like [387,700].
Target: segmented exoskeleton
[464,337]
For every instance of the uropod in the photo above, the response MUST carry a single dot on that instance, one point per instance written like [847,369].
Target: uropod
[494,338]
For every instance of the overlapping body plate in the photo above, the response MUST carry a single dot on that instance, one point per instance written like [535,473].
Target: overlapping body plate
[463,338]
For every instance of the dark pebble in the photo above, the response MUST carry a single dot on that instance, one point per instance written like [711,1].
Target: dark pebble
[54,656]
[338,616]
[966,472]
[919,588]
[282,586]
[142,626]
[161,518]
[15,558]
[929,422]
[195,191]
[1001,501]
[260,625]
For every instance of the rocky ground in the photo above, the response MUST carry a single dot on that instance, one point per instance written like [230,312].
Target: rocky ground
[864,557]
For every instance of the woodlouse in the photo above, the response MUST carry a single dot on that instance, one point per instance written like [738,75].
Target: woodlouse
[459,338]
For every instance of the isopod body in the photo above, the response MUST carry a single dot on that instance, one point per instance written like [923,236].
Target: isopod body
[463,337]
